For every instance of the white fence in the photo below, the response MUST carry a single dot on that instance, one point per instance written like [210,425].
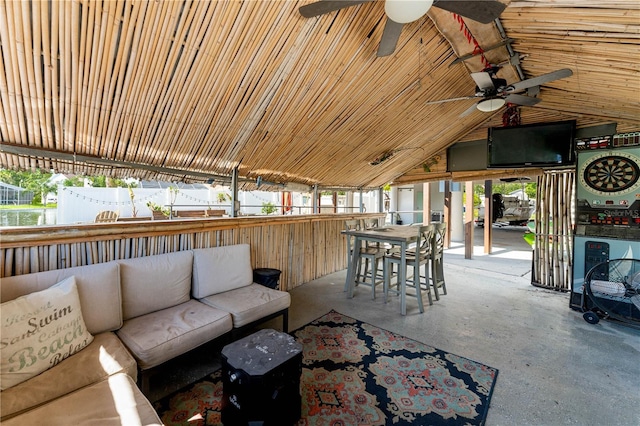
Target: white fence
[82,204]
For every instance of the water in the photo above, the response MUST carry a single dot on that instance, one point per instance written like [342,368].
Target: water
[28,217]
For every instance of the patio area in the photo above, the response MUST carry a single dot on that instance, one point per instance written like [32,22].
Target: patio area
[554,368]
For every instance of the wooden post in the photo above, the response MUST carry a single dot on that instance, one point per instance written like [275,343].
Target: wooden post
[488,216]
[447,212]
[235,202]
[426,203]
[468,220]
[316,199]
[349,202]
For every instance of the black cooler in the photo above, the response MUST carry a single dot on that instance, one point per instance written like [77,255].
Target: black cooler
[261,380]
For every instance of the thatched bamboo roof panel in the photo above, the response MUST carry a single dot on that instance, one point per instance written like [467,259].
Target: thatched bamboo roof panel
[201,88]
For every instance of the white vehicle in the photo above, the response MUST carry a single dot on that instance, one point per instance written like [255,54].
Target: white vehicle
[508,211]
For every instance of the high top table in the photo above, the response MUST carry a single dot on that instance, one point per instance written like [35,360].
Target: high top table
[397,235]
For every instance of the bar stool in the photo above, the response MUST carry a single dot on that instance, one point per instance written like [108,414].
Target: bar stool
[415,257]
[351,225]
[371,253]
[437,263]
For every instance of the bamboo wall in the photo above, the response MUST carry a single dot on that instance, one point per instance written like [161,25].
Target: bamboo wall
[302,247]
[553,250]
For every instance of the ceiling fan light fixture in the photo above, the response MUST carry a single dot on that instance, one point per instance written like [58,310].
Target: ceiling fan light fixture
[405,11]
[491,104]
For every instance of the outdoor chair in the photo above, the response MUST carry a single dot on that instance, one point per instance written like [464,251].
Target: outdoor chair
[437,261]
[372,254]
[351,225]
[106,216]
[415,257]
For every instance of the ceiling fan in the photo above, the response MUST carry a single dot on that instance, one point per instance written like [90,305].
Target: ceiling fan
[495,92]
[400,12]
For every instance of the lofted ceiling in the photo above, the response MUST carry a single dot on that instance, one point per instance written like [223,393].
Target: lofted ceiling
[187,90]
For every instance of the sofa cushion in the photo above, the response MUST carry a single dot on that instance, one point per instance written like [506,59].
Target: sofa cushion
[98,287]
[160,336]
[250,303]
[153,283]
[39,330]
[113,401]
[105,356]
[219,269]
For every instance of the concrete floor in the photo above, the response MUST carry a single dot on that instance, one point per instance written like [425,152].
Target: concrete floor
[554,368]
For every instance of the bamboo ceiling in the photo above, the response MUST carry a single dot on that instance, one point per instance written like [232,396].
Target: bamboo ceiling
[192,88]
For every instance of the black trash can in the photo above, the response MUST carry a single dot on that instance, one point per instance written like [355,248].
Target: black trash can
[268,277]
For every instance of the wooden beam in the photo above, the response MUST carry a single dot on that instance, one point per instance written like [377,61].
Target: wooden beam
[468,220]
[88,159]
[488,216]
[447,212]
[426,203]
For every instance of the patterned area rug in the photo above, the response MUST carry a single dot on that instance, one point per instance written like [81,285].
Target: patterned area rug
[357,374]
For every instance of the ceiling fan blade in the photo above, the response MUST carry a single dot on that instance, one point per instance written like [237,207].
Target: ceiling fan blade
[442,101]
[538,81]
[483,11]
[522,100]
[390,37]
[483,80]
[325,6]
[469,110]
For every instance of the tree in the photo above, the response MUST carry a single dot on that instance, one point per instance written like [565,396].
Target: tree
[531,189]
[268,208]
[9,176]
[97,182]
[132,196]
[223,197]
[476,199]
[34,181]
[24,179]
[38,182]
[77,181]
[46,189]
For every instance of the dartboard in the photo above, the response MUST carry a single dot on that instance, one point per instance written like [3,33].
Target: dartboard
[615,173]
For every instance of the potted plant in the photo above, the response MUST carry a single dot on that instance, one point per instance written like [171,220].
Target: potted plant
[223,197]
[134,210]
[268,208]
[158,212]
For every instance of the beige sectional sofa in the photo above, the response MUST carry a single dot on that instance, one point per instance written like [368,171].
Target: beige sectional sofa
[141,313]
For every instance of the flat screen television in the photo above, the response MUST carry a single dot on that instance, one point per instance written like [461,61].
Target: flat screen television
[534,145]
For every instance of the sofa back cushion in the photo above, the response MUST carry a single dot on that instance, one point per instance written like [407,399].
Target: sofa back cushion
[39,330]
[98,288]
[220,269]
[154,283]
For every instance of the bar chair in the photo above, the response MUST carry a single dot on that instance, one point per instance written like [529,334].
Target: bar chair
[415,257]
[351,225]
[372,254]
[437,262]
